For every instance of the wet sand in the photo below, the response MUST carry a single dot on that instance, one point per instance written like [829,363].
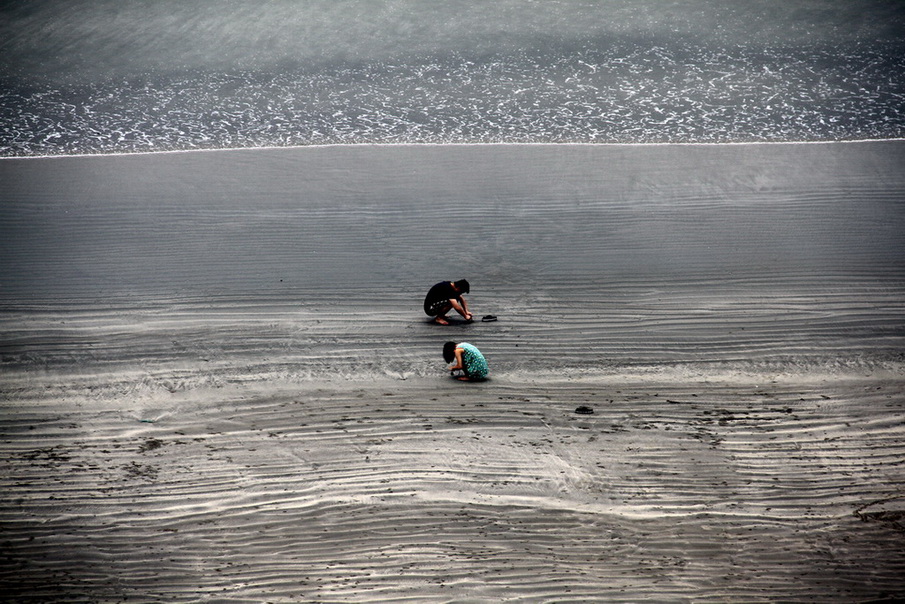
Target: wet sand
[217,382]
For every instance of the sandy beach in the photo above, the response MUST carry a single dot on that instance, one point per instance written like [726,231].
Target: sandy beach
[217,382]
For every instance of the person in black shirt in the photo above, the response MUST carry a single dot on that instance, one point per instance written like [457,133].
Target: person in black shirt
[444,297]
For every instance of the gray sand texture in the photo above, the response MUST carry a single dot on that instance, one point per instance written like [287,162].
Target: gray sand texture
[217,382]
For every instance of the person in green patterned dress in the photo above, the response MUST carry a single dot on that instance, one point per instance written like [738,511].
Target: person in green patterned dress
[468,359]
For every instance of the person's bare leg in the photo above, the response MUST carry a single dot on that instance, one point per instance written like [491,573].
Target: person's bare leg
[440,319]
[461,310]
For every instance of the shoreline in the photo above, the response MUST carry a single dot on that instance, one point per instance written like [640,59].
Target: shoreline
[453,144]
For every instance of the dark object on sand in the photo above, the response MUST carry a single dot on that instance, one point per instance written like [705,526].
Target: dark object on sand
[584,410]
[488,318]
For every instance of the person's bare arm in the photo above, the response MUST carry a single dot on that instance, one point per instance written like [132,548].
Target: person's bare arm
[458,364]
[467,314]
[461,307]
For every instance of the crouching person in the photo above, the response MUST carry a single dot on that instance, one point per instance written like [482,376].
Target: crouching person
[444,297]
[469,363]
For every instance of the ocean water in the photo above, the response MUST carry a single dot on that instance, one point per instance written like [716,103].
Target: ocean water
[106,76]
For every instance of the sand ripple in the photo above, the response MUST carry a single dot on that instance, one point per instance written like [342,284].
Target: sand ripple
[391,491]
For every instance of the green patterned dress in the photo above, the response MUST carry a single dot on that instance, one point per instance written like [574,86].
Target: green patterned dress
[474,363]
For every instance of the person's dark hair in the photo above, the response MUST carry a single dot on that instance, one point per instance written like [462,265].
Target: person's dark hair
[462,286]
[449,352]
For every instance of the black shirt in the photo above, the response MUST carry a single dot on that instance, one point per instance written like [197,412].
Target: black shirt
[439,293]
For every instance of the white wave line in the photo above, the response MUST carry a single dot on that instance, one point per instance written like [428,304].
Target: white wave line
[432,144]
